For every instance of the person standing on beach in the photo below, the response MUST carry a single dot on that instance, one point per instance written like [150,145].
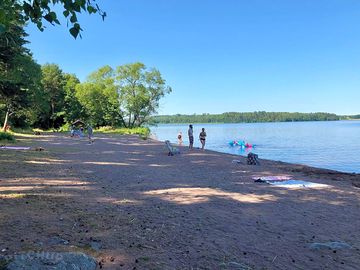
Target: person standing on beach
[202,138]
[191,137]
[72,131]
[90,133]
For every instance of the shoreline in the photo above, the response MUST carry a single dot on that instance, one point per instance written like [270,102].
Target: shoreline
[310,168]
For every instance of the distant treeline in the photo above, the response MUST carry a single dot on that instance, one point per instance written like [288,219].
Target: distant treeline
[245,117]
[354,116]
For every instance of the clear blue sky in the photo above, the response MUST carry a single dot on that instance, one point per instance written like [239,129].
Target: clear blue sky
[229,55]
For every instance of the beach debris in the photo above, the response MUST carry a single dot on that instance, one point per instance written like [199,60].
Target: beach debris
[330,245]
[39,149]
[252,159]
[236,161]
[52,260]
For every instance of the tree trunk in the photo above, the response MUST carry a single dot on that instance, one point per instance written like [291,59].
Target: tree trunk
[123,121]
[133,122]
[129,122]
[6,120]
[52,114]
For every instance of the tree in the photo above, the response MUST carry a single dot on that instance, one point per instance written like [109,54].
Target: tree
[53,83]
[72,107]
[99,98]
[20,90]
[127,96]
[19,74]
[37,11]
[140,90]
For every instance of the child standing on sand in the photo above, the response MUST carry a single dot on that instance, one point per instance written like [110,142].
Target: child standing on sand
[202,138]
[180,140]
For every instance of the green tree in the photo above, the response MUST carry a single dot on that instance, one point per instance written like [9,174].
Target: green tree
[99,98]
[19,74]
[126,97]
[53,83]
[140,90]
[72,106]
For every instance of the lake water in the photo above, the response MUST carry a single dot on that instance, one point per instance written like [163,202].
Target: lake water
[332,145]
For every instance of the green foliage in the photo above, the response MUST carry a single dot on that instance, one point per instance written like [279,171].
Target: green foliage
[19,74]
[246,117]
[72,106]
[100,99]
[48,98]
[140,90]
[38,11]
[125,97]
[53,94]
[18,130]
[143,132]
[354,117]
[59,104]
[6,136]
[65,127]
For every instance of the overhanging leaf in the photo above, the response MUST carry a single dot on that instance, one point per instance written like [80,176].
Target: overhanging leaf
[74,32]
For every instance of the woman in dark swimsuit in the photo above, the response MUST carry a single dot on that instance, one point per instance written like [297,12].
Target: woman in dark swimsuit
[202,138]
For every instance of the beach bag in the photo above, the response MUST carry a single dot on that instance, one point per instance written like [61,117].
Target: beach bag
[252,159]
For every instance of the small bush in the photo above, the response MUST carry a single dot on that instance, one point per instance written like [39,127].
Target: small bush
[143,132]
[5,136]
[65,127]
[106,129]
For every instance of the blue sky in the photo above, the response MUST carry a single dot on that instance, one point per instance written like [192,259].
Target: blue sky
[230,55]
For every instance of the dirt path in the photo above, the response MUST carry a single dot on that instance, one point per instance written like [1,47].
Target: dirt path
[124,201]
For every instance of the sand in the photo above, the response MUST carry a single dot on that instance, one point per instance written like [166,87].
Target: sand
[128,204]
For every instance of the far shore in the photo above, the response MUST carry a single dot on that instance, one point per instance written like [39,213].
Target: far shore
[209,123]
[128,204]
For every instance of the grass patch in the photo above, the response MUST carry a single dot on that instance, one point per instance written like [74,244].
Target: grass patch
[21,131]
[35,131]
[143,132]
[6,137]
[13,196]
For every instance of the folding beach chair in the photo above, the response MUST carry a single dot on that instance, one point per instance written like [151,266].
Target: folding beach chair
[172,150]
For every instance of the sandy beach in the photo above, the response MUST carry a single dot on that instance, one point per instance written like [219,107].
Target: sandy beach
[126,202]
